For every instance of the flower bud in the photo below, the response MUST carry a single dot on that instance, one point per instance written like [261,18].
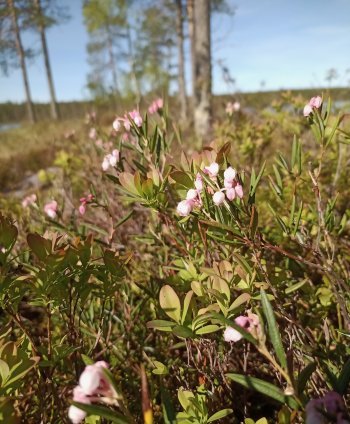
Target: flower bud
[230,193]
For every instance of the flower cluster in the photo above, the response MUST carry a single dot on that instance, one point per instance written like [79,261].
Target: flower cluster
[126,121]
[29,200]
[110,160]
[83,202]
[51,209]
[231,185]
[92,383]
[314,103]
[232,107]
[249,323]
[155,106]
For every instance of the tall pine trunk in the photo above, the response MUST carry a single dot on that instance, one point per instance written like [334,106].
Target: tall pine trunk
[202,61]
[41,27]
[191,33]
[20,52]
[181,60]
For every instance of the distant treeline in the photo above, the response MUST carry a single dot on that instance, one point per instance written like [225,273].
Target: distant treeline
[16,112]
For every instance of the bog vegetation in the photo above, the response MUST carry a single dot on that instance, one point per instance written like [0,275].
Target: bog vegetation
[149,281]
[159,269]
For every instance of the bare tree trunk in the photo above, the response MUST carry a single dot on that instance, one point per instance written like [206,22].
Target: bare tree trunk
[132,66]
[112,62]
[20,51]
[202,82]
[191,33]
[181,60]
[53,103]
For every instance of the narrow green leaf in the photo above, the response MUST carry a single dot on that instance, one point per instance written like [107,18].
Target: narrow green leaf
[263,387]
[102,412]
[304,376]
[343,379]
[273,329]
[220,414]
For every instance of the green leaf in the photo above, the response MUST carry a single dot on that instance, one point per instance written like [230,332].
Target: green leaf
[274,333]
[87,360]
[207,329]
[304,376]
[170,303]
[160,368]
[295,287]
[242,298]
[39,245]
[102,412]
[169,414]
[160,324]
[263,387]
[184,397]
[220,414]
[182,331]
[343,379]
[187,302]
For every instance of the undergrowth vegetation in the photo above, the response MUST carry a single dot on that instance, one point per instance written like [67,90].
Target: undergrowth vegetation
[151,282]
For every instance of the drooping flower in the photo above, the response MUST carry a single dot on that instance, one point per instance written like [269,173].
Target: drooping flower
[29,200]
[230,193]
[249,323]
[198,183]
[83,202]
[110,160]
[136,117]
[117,124]
[184,208]
[51,209]
[75,414]
[92,382]
[239,190]
[218,198]
[212,170]
[230,174]
[314,103]
[232,107]
[155,106]
[192,194]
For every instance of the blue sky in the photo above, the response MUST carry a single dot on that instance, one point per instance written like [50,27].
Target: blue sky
[285,43]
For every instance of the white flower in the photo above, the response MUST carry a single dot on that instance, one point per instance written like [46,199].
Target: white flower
[230,174]
[212,169]
[232,335]
[192,194]
[184,208]
[116,124]
[218,198]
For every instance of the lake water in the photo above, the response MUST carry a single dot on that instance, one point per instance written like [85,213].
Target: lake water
[6,127]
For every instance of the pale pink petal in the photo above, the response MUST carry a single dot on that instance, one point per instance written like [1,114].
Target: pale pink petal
[239,191]
[218,198]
